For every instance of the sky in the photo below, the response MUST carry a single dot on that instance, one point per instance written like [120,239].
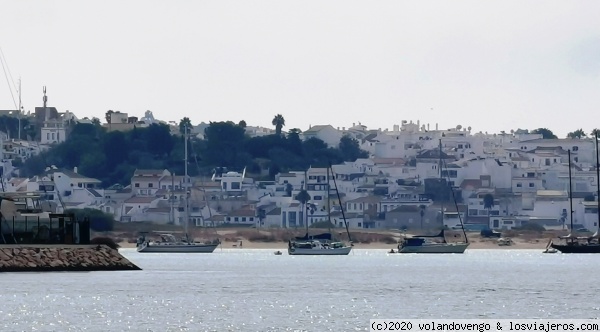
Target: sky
[489,65]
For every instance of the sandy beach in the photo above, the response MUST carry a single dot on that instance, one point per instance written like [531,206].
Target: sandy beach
[277,239]
[476,243]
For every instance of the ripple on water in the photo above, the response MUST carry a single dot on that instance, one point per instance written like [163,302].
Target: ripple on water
[254,290]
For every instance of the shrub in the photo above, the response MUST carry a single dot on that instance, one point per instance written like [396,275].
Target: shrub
[105,240]
[99,221]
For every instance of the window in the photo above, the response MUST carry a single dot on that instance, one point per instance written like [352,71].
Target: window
[519,185]
[575,148]
[150,185]
[235,185]
[236,219]
[137,185]
[243,218]
[531,184]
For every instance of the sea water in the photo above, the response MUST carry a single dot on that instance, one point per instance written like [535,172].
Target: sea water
[255,290]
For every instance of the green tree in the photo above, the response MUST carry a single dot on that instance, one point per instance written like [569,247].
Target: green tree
[579,133]
[303,197]
[224,140]
[545,132]
[116,149]
[422,213]
[158,139]
[488,204]
[595,133]
[294,142]
[278,122]
[242,124]
[350,149]
[108,117]
[99,221]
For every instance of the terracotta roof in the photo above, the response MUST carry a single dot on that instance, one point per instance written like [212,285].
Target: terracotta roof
[140,199]
[159,209]
[406,208]
[366,199]
[242,213]
[388,161]
[148,172]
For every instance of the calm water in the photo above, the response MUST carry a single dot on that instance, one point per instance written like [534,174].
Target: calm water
[254,290]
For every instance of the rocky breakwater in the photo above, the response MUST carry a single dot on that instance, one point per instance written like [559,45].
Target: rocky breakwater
[39,258]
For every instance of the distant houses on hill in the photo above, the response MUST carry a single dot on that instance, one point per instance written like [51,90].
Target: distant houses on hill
[402,185]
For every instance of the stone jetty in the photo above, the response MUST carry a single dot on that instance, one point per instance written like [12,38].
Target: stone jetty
[41,258]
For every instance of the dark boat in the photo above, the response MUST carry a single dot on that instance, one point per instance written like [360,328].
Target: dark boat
[423,244]
[322,244]
[581,245]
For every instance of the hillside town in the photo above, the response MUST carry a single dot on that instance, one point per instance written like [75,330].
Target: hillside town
[525,175]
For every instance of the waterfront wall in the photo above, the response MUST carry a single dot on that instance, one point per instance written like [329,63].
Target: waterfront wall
[41,258]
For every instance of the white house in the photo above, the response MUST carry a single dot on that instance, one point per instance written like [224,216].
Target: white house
[326,133]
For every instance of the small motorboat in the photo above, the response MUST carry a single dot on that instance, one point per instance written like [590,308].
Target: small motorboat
[278,253]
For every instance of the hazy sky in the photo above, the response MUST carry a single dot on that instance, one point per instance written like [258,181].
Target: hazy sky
[491,65]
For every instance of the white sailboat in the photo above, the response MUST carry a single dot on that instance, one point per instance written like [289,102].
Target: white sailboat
[321,244]
[168,242]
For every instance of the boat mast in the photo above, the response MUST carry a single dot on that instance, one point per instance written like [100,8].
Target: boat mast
[340,201]
[441,178]
[20,108]
[597,184]
[305,212]
[570,192]
[328,207]
[185,180]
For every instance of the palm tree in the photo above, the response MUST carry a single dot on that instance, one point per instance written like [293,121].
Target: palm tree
[278,122]
[185,122]
[488,203]
[579,133]
[303,197]
[422,213]
[108,117]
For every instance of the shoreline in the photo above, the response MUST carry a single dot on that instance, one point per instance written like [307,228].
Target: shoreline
[475,244]
[276,239]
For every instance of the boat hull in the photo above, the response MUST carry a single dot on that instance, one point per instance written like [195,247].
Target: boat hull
[577,249]
[177,248]
[435,248]
[320,251]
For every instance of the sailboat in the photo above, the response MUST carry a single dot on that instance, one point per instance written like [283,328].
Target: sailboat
[581,245]
[322,244]
[424,244]
[169,243]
